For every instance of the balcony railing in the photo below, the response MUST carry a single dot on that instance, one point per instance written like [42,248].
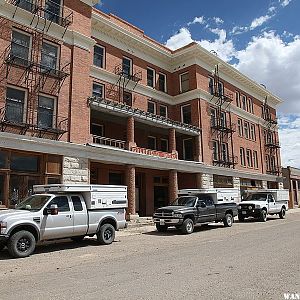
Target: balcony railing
[116,106]
[157,153]
[108,142]
[50,123]
[224,160]
[17,54]
[272,144]
[274,170]
[120,70]
[221,126]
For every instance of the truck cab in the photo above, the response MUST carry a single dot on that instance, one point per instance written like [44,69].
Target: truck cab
[57,212]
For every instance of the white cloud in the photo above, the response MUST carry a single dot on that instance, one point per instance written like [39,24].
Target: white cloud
[218,20]
[180,39]
[199,20]
[259,21]
[285,3]
[272,9]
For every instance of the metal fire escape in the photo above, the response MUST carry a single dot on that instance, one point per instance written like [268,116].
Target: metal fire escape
[222,127]
[271,141]
[34,69]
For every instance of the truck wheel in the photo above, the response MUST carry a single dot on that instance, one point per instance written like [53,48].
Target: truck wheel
[21,244]
[106,234]
[263,216]
[187,226]
[161,228]
[241,218]
[78,238]
[282,213]
[228,220]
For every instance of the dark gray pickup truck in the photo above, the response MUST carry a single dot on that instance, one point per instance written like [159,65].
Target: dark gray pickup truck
[188,211]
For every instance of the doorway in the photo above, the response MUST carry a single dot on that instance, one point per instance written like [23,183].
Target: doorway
[2,181]
[161,196]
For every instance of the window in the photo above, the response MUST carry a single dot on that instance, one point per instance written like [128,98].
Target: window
[127,98]
[162,82]
[240,127]
[251,109]
[249,158]
[211,85]
[223,120]
[152,142]
[77,203]
[53,10]
[49,57]
[150,77]
[20,48]
[97,129]
[220,88]
[127,67]
[268,162]
[224,152]
[184,82]
[244,102]
[46,112]
[188,149]
[14,109]
[186,114]
[238,99]
[115,178]
[3,160]
[99,55]
[252,132]
[255,159]
[242,157]
[151,107]
[24,163]
[163,111]
[246,130]
[164,145]
[27,5]
[98,90]
[61,202]
[213,117]
[215,150]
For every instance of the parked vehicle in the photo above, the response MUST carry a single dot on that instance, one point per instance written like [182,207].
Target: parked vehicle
[261,203]
[63,211]
[198,206]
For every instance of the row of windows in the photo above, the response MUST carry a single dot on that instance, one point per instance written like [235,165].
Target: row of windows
[248,158]
[246,130]
[220,151]
[243,102]
[21,48]
[16,108]
[271,162]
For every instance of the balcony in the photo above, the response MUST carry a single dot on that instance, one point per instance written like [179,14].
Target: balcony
[274,170]
[224,160]
[18,55]
[157,153]
[142,116]
[100,140]
[221,126]
[122,72]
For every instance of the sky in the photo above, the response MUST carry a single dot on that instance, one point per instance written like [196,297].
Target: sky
[261,38]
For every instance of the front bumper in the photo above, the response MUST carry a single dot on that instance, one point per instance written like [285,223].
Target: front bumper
[167,221]
[255,213]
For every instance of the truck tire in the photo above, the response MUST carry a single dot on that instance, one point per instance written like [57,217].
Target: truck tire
[21,244]
[106,234]
[161,228]
[228,220]
[78,238]
[263,215]
[187,226]
[241,218]
[282,213]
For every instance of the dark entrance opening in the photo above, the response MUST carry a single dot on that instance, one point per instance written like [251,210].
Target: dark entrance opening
[161,195]
[2,180]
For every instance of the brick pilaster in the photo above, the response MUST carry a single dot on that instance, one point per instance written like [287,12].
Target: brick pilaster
[130,182]
[173,185]
[130,133]
[197,141]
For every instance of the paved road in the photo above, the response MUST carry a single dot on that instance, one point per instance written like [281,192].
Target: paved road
[248,261]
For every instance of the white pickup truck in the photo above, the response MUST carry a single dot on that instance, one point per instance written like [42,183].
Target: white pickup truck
[63,211]
[261,203]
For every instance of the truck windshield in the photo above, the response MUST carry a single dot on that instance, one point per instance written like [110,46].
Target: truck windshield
[256,197]
[34,203]
[185,201]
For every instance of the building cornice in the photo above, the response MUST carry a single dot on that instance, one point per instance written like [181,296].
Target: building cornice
[90,2]
[118,156]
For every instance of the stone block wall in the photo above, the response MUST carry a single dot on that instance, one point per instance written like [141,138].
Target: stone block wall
[75,170]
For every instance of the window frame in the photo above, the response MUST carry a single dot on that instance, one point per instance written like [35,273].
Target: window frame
[238,99]
[154,106]
[165,82]
[244,102]
[211,85]
[180,82]
[100,126]
[57,67]
[249,158]
[155,142]
[166,110]
[242,157]
[167,143]
[154,77]
[246,130]
[182,107]
[103,89]
[24,33]
[103,57]
[184,150]
[255,159]
[131,66]
[240,127]
[252,132]
[54,117]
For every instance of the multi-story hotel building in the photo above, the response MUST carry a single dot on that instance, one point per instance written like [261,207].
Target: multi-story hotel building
[86,97]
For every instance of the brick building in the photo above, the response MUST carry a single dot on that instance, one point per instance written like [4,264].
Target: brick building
[291,182]
[86,97]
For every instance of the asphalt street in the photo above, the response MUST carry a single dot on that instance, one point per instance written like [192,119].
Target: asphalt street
[250,260]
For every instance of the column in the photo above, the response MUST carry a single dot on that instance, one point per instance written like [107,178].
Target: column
[173,185]
[292,195]
[197,141]
[237,185]
[130,133]
[130,182]
[172,141]
[264,184]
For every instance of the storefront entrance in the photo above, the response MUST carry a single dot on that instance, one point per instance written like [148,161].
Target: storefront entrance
[161,196]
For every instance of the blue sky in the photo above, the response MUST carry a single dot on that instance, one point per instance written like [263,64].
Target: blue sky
[260,38]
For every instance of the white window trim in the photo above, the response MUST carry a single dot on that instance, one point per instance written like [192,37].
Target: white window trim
[55,108]
[242,127]
[131,64]
[153,137]
[166,107]
[166,90]
[99,125]
[182,111]
[104,56]
[243,156]
[255,160]
[25,99]
[183,146]
[166,140]
[24,33]
[58,51]
[250,152]
[154,77]
[100,84]
[180,82]
[238,102]
[150,101]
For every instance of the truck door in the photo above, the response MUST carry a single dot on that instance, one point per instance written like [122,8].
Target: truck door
[272,204]
[211,209]
[80,217]
[61,225]
[202,212]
